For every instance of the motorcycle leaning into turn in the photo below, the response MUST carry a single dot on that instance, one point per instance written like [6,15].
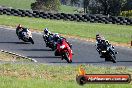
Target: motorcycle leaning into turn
[107,51]
[64,50]
[25,35]
[49,41]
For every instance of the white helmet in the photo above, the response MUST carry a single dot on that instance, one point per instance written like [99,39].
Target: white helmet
[46,31]
[57,35]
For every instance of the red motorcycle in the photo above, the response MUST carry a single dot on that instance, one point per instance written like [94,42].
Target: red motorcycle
[64,51]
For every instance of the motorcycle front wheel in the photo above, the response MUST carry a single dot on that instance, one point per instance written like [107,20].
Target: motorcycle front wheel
[113,58]
[67,58]
[31,40]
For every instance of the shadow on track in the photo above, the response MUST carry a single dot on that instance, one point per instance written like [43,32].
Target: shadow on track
[36,49]
[42,57]
[90,62]
[80,62]
[16,42]
[124,61]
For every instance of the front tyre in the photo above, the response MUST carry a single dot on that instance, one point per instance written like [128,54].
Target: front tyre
[67,58]
[31,40]
[113,58]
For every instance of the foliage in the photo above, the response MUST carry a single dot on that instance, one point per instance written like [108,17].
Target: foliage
[74,1]
[128,5]
[126,13]
[46,5]
[26,4]
[21,4]
[86,5]
[105,7]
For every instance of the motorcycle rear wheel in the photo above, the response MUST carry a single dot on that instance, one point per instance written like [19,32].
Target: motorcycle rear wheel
[56,53]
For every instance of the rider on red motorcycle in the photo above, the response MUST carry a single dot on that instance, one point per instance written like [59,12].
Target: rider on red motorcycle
[57,38]
[63,46]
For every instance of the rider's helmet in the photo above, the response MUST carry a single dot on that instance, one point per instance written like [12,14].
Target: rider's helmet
[98,37]
[46,31]
[60,41]
[19,26]
[107,42]
[56,36]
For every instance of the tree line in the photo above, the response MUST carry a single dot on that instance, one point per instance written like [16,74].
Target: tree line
[105,7]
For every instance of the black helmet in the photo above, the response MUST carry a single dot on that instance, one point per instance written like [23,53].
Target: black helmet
[97,35]
[60,41]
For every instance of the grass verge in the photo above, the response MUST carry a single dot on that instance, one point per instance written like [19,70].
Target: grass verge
[112,32]
[53,76]
[68,9]
[21,4]
[8,57]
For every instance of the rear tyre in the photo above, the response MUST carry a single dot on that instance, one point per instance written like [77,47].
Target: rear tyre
[57,53]
[106,59]
[23,39]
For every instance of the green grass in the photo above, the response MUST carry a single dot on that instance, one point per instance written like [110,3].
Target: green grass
[26,4]
[68,9]
[8,57]
[112,32]
[54,76]
[22,4]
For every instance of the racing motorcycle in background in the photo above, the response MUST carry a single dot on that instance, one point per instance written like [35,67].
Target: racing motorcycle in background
[64,51]
[48,39]
[107,52]
[52,45]
[26,36]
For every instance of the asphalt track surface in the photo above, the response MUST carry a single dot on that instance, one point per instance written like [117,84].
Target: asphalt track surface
[84,52]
